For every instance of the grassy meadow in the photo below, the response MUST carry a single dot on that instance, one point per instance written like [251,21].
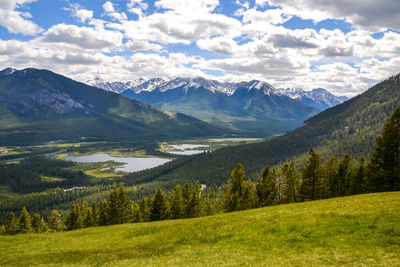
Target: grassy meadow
[357,230]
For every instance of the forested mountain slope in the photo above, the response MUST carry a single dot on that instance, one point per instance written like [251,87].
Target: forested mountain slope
[39,105]
[349,127]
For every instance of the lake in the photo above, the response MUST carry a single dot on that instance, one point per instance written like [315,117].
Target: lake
[187,149]
[132,164]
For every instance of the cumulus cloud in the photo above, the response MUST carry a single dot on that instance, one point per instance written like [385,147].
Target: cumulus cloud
[138,45]
[110,11]
[83,37]
[15,20]
[82,14]
[374,15]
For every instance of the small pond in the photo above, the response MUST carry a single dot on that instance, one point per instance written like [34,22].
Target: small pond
[187,149]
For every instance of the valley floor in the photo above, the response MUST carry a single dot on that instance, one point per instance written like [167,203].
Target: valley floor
[358,230]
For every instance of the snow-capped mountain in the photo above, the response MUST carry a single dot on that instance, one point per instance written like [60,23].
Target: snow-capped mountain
[117,87]
[318,97]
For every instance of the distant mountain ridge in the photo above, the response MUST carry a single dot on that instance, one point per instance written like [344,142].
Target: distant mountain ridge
[253,107]
[319,98]
[39,105]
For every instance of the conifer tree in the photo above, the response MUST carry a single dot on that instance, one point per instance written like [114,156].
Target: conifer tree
[344,172]
[159,206]
[186,195]
[74,219]
[291,182]
[114,209]
[266,188]
[38,224]
[24,222]
[12,224]
[144,208]
[384,166]
[176,202]
[194,206]
[125,206]
[55,222]
[312,186]
[331,168]
[3,230]
[234,189]
[95,214]
[358,178]
[103,213]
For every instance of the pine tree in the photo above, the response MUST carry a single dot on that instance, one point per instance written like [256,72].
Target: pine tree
[358,178]
[344,172]
[159,207]
[266,188]
[176,202]
[384,166]
[331,168]
[103,213]
[74,218]
[144,206]
[114,213]
[233,191]
[186,195]
[290,181]
[312,186]
[24,222]
[3,230]
[96,214]
[38,224]
[194,207]
[125,205]
[55,222]
[11,224]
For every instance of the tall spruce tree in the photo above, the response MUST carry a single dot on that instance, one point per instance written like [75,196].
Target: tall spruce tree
[103,213]
[291,182]
[74,218]
[384,166]
[331,168]
[159,208]
[234,189]
[358,182]
[194,206]
[12,224]
[312,186]
[24,222]
[266,188]
[344,175]
[176,202]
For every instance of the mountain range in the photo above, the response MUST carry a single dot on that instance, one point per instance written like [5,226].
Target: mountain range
[348,127]
[253,107]
[39,105]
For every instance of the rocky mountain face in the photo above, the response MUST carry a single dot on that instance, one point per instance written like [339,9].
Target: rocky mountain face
[318,98]
[39,105]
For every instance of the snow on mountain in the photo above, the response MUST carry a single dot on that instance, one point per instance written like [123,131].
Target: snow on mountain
[318,97]
[117,87]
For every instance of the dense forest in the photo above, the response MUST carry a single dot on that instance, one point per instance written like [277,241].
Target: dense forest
[316,179]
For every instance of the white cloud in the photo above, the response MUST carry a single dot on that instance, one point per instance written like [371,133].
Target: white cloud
[82,14]
[137,7]
[84,37]
[110,11]
[16,21]
[375,15]
[185,7]
[138,45]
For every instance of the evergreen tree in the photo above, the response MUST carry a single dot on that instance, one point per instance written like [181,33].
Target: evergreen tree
[358,178]
[290,181]
[266,188]
[125,206]
[95,214]
[74,219]
[24,222]
[234,189]
[344,172]
[11,224]
[103,213]
[384,166]
[186,195]
[144,208]
[55,222]
[38,224]
[159,207]
[176,202]
[114,213]
[194,207]
[312,186]
[331,168]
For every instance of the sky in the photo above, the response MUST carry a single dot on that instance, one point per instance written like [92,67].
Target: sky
[344,46]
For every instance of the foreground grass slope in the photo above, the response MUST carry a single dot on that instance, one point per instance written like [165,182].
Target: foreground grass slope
[356,230]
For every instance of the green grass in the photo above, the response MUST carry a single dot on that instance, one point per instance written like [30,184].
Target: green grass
[360,230]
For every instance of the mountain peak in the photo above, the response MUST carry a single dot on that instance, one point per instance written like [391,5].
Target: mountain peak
[7,71]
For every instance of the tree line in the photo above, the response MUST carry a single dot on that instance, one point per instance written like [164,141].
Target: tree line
[316,179]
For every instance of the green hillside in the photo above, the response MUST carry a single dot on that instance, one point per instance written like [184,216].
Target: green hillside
[39,105]
[349,127]
[358,230]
